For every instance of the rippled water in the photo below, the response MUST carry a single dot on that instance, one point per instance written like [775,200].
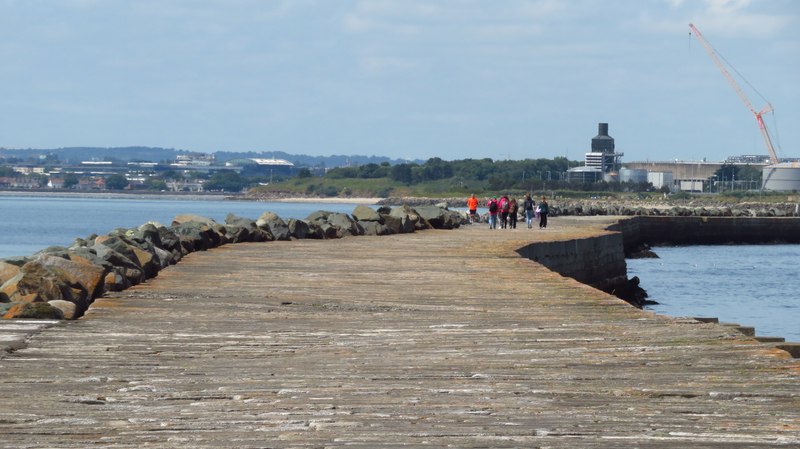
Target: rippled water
[29,224]
[753,285]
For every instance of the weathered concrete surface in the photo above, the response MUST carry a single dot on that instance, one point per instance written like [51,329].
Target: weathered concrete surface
[438,338]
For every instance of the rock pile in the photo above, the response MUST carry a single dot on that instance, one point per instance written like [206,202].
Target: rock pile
[671,208]
[689,209]
[62,282]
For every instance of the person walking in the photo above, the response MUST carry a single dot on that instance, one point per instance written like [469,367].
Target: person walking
[528,206]
[493,207]
[544,210]
[472,206]
[504,205]
[513,209]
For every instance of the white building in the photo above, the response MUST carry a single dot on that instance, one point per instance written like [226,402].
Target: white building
[660,179]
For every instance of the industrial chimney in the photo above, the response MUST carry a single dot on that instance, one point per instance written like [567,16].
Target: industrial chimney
[602,143]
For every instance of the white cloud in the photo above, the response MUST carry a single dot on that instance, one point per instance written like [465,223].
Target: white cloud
[728,18]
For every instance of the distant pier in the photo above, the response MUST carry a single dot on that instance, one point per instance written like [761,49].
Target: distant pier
[436,338]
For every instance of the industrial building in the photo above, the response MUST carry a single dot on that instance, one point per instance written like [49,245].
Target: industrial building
[601,163]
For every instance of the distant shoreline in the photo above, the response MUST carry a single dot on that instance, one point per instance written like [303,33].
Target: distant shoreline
[188,196]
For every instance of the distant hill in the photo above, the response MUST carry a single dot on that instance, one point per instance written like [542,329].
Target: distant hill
[74,155]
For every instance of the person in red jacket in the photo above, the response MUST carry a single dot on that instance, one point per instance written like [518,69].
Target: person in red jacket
[504,208]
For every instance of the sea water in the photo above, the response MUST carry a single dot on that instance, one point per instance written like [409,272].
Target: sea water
[31,223]
[753,285]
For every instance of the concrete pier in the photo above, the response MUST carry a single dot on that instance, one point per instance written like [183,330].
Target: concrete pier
[438,338]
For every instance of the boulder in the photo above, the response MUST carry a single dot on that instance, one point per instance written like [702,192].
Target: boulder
[237,234]
[143,259]
[163,257]
[59,251]
[186,218]
[117,243]
[90,277]
[88,256]
[409,219]
[240,229]
[319,216]
[252,232]
[329,231]
[272,223]
[397,225]
[438,217]
[7,271]
[195,236]
[346,225]
[68,309]
[147,260]
[171,242]
[115,282]
[37,282]
[299,229]
[17,260]
[374,228]
[148,232]
[220,236]
[364,213]
[314,230]
[124,266]
[35,310]
[244,222]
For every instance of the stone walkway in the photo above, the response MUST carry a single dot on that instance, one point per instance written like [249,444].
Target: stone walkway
[438,338]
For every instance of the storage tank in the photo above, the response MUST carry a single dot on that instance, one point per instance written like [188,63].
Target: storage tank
[782,177]
[636,175]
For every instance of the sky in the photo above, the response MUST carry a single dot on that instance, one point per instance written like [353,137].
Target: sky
[455,79]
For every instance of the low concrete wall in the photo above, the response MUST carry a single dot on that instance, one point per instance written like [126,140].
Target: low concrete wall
[706,230]
[600,261]
[597,261]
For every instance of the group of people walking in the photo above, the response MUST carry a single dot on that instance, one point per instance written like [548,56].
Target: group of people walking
[505,210]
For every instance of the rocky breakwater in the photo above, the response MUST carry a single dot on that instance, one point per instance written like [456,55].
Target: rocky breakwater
[707,207]
[62,282]
[696,208]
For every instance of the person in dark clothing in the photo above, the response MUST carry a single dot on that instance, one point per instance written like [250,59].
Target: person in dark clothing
[513,208]
[544,210]
[493,209]
[528,207]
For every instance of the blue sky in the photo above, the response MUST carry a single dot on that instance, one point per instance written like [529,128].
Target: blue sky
[505,79]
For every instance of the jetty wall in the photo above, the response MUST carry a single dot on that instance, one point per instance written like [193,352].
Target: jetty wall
[599,261]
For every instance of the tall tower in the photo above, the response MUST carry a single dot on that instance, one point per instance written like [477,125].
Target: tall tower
[602,155]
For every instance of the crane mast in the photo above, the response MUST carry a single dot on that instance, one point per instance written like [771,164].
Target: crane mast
[758,114]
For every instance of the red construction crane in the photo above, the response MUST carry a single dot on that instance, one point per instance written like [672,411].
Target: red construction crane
[766,109]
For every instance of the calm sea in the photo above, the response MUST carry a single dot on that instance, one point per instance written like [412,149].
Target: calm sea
[29,224]
[753,285]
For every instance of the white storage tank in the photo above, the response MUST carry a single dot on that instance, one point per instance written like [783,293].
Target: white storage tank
[782,177]
[636,175]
